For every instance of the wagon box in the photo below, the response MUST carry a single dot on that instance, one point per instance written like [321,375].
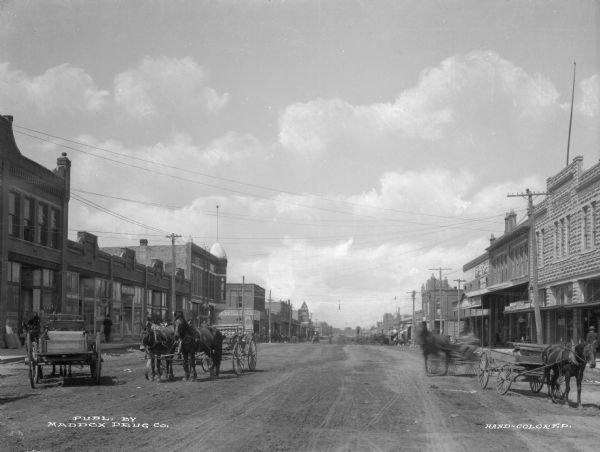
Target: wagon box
[65,342]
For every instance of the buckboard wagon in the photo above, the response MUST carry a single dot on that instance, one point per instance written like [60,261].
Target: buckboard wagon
[523,362]
[239,346]
[63,342]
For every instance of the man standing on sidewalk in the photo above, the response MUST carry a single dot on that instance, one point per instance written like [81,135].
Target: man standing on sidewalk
[592,336]
[107,328]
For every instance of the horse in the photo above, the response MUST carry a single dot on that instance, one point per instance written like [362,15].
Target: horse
[435,345]
[205,339]
[561,360]
[159,343]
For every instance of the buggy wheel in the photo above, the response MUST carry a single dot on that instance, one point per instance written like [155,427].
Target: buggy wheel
[557,391]
[536,383]
[237,359]
[252,354]
[504,379]
[483,371]
[437,363]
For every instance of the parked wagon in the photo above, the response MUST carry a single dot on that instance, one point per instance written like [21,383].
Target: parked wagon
[63,342]
[239,346]
[524,362]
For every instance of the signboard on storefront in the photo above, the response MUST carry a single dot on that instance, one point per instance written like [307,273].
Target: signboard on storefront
[518,306]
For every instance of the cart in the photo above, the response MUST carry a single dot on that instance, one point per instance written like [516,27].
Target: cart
[239,346]
[523,362]
[464,352]
[63,342]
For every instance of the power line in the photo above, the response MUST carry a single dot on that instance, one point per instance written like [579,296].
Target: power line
[163,165]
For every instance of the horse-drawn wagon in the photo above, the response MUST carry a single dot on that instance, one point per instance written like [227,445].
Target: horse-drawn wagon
[239,345]
[553,365]
[510,365]
[62,342]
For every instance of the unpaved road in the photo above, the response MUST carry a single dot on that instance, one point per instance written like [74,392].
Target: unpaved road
[302,397]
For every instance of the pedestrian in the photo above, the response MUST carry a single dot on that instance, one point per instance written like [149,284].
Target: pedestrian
[107,327]
[592,336]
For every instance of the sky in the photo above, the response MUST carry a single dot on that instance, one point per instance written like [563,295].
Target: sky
[351,146]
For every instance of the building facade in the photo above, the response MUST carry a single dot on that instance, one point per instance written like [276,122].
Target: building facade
[245,302]
[437,300]
[33,232]
[568,244]
[42,272]
[206,270]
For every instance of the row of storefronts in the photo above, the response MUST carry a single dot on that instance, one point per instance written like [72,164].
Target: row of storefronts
[497,303]
[43,272]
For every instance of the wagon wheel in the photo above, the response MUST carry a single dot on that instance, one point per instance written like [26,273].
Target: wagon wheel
[437,363]
[483,371]
[96,361]
[536,382]
[557,391]
[237,359]
[504,379]
[205,362]
[252,354]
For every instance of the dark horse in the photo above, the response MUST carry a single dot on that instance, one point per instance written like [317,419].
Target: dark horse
[563,361]
[159,343]
[192,340]
[436,351]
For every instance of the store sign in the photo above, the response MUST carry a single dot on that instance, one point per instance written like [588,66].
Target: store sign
[518,306]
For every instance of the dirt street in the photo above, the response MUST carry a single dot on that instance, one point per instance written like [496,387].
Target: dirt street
[302,397]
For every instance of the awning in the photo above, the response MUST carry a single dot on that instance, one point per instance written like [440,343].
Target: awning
[475,293]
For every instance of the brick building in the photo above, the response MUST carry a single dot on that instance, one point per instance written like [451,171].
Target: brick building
[249,299]
[33,232]
[437,300]
[206,270]
[569,253]
[568,263]
[43,272]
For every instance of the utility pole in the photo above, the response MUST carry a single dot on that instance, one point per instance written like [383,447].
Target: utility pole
[243,308]
[290,324]
[458,300]
[269,316]
[571,116]
[533,261]
[414,325]
[440,270]
[173,236]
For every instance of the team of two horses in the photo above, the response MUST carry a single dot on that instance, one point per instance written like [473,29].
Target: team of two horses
[163,343]
[559,361]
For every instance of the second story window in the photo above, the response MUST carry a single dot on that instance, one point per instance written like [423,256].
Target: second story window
[42,225]
[54,238]
[13,214]
[28,220]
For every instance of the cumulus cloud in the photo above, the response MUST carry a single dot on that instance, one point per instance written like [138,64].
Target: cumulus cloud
[589,105]
[457,89]
[61,89]
[162,87]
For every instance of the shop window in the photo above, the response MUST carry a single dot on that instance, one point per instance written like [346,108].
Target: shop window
[13,214]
